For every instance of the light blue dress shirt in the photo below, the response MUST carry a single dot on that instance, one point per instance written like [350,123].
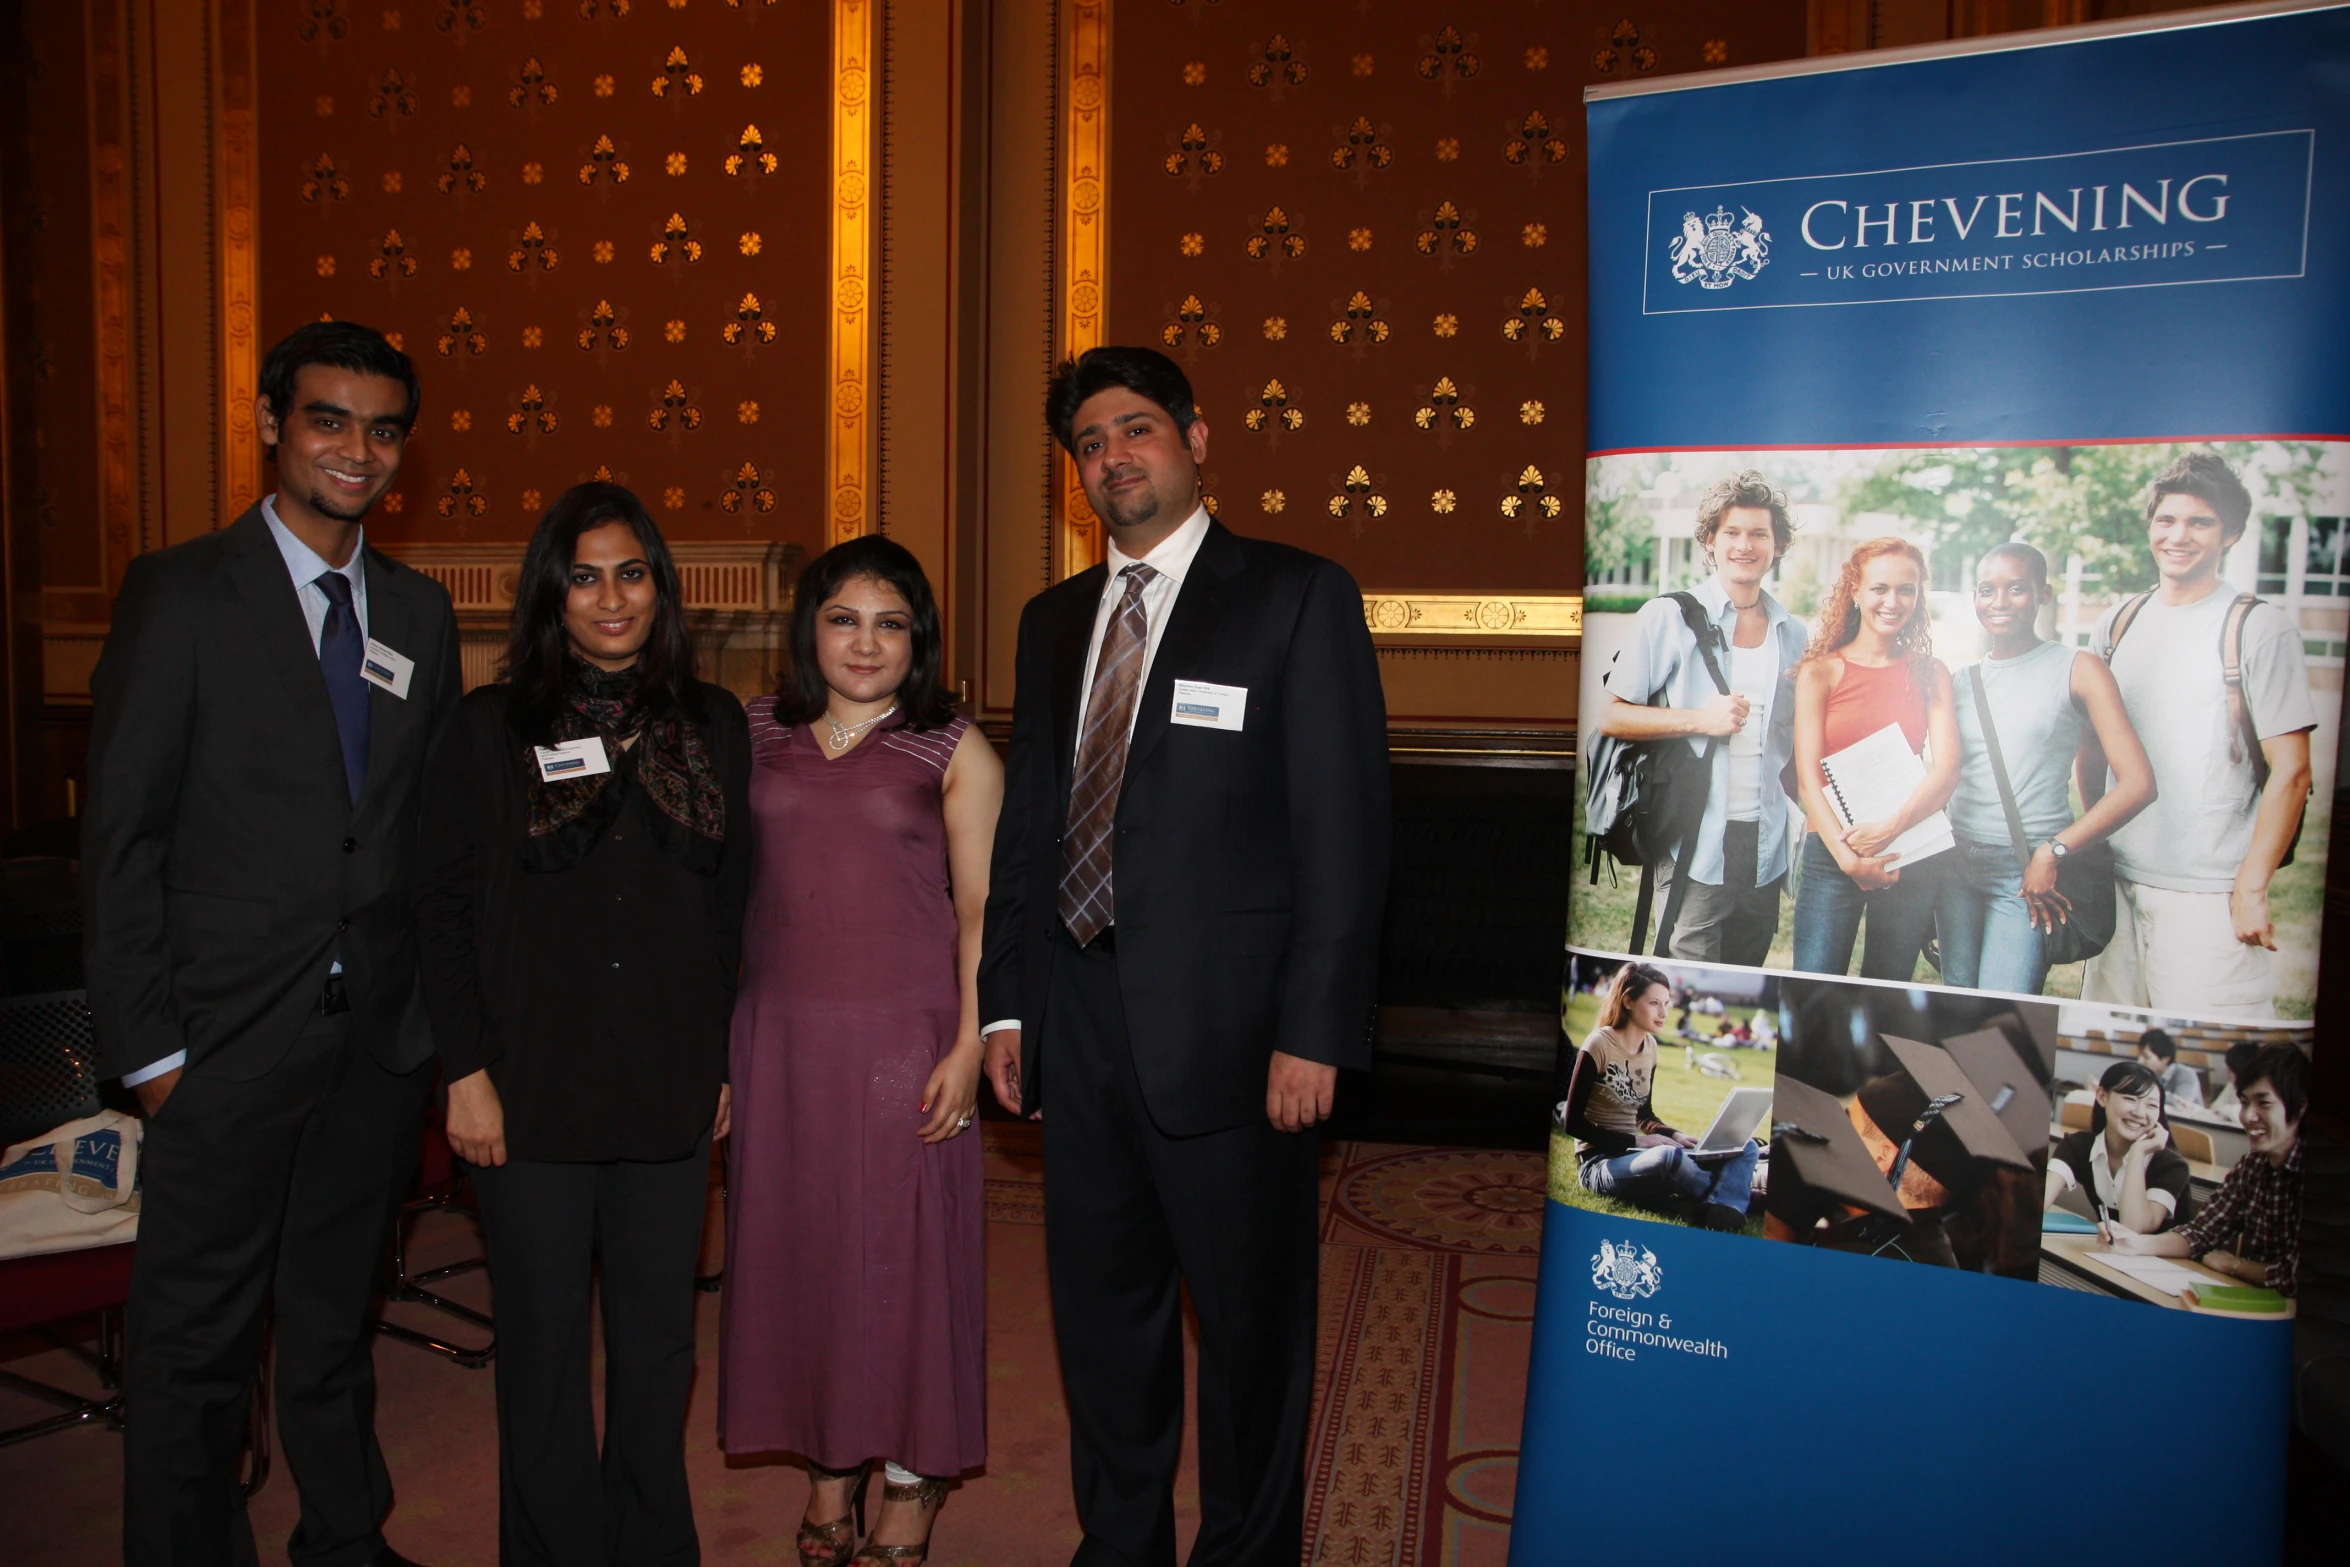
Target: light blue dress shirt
[1661,662]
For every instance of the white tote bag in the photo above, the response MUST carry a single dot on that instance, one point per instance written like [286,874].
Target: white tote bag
[71,1188]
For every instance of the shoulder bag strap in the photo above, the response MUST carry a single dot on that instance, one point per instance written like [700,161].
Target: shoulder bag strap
[2015,820]
[2244,732]
[2122,621]
[1693,616]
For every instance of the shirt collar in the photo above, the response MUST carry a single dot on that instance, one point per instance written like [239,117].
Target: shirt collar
[1716,600]
[305,563]
[1172,556]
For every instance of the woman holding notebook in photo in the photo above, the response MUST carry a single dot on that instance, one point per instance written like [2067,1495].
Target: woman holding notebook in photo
[2024,714]
[1872,799]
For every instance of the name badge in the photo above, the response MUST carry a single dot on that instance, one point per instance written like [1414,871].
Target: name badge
[1205,705]
[381,666]
[573,759]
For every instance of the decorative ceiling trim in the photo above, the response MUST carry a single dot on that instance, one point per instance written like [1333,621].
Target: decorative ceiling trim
[239,254]
[1085,208]
[1472,615]
[849,468]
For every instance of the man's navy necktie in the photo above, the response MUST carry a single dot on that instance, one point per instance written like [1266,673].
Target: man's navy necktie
[340,648]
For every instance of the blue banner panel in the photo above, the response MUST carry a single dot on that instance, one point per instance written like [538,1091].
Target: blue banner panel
[1780,1404]
[2031,207]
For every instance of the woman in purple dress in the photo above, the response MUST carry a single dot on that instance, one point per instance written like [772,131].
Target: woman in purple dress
[855,1313]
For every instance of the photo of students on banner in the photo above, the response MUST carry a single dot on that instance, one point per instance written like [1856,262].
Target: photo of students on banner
[2052,720]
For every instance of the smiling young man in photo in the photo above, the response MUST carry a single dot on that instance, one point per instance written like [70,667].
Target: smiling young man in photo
[1661,687]
[2251,1228]
[2193,931]
[262,711]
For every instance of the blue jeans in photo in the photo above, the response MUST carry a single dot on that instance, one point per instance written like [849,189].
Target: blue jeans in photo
[1655,1176]
[1828,910]
[1988,940]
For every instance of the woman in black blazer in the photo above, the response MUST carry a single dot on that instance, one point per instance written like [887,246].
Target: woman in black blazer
[584,870]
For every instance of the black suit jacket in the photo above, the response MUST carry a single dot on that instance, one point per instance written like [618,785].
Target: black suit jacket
[1250,868]
[224,865]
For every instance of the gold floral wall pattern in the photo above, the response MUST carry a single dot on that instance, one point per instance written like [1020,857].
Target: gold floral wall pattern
[1360,229]
[598,227]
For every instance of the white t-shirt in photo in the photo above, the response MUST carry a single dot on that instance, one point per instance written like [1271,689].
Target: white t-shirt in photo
[1754,675]
[2199,828]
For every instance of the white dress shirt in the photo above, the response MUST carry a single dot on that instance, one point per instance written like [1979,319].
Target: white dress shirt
[1171,559]
[306,566]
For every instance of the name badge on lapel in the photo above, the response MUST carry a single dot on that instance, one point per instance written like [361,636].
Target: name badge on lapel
[383,667]
[1205,705]
[573,759]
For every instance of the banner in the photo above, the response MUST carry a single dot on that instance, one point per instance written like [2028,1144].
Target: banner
[1965,627]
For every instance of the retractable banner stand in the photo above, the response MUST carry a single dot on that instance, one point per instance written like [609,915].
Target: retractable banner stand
[1969,585]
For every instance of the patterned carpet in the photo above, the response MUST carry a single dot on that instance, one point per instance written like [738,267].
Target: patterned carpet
[1428,1262]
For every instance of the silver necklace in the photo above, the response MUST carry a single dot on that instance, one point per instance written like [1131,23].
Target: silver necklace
[845,735]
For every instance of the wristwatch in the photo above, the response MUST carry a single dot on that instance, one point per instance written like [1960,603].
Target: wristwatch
[2057,849]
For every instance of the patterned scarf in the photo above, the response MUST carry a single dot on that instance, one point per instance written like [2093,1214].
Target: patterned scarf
[670,762]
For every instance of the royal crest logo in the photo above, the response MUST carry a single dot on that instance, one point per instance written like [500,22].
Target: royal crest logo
[1718,250]
[1627,1272]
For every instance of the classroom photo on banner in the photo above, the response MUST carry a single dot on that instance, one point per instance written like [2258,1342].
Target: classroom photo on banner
[2038,720]
[2141,1157]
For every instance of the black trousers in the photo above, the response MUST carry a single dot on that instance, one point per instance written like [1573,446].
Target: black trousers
[1133,1217]
[560,1504]
[281,1190]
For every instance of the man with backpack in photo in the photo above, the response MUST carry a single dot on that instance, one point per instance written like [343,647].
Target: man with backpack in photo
[2215,685]
[1683,777]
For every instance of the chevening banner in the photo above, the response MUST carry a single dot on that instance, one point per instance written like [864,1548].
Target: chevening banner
[1964,641]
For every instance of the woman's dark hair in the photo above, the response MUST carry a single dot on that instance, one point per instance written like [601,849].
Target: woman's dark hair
[2022,554]
[1632,981]
[2284,1068]
[2159,1042]
[346,345]
[1143,371]
[2133,1078]
[802,697]
[538,649]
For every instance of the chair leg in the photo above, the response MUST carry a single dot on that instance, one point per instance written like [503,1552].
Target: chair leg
[411,1288]
[79,1411]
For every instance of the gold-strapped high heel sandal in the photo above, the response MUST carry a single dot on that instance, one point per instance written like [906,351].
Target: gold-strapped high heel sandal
[829,1544]
[929,1493]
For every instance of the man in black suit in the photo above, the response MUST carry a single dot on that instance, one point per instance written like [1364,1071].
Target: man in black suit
[1181,951]
[263,707]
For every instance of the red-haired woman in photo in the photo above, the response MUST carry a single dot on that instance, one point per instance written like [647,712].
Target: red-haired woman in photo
[1871,664]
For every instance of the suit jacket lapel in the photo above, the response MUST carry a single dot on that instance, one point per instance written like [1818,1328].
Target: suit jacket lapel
[1191,630]
[392,619]
[1070,642]
[275,610]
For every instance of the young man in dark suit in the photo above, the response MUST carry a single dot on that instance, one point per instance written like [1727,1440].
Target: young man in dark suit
[263,708]
[1181,951]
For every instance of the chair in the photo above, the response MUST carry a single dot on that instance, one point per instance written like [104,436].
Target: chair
[2076,1114]
[36,1293]
[439,1186]
[2192,1143]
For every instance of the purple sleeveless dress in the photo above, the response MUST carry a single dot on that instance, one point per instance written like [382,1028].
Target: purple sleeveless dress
[855,1320]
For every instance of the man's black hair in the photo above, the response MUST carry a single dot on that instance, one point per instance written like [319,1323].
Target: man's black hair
[2284,1068]
[803,695]
[2156,1040]
[2241,1055]
[1143,371]
[346,345]
[2210,480]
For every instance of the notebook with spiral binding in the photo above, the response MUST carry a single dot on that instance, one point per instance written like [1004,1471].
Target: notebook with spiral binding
[1872,779]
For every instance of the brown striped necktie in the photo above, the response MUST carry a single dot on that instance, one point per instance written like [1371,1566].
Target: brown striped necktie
[1087,906]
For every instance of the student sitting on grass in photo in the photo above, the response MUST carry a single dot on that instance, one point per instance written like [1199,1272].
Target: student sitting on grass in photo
[2159,1054]
[2132,1175]
[1622,1149]
[2252,1229]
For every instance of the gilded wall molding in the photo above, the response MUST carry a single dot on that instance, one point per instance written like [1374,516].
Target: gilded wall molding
[110,284]
[1085,207]
[852,250]
[1472,615]
[238,250]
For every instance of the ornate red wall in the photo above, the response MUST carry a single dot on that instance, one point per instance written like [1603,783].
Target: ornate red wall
[1363,228]
[599,228]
